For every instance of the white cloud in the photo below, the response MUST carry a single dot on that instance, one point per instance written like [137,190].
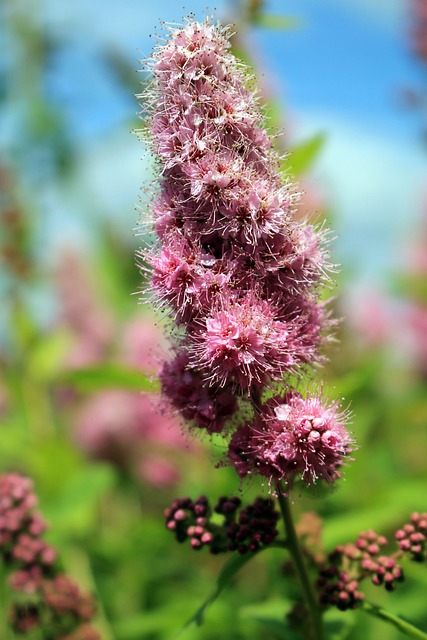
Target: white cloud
[375,186]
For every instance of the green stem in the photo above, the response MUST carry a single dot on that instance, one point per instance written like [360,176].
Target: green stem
[299,563]
[405,627]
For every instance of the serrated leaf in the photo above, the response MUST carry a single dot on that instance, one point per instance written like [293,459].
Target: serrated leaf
[109,376]
[227,573]
[301,157]
[271,21]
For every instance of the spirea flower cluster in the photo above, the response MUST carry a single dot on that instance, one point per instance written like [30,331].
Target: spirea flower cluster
[48,600]
[249,530]
[339,579]
[339,582]
[239,274]
[412,537]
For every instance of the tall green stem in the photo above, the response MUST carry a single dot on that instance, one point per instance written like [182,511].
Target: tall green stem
[405,627]
[299,563]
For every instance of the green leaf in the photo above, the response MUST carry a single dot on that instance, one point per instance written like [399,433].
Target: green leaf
[73,511]
[227,573]
[52,463]
[13,442]
[270,21]
[301,158]
[277,629]
[406,627]
[45,359]
[338,625]
[272,609]
[377,515]
[271,614]
[109,376]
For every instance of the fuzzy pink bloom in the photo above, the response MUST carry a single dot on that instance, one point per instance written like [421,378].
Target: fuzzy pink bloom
[373,318]
[207,407]
[158,472]
[416,332]
[293,437]
[140,344]
[81,312]
[244,343]
[123,427]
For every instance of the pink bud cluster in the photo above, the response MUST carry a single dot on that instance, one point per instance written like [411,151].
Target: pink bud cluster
[252,529]
[60,605]
[21,528]
[238,272]
[47,598]
[339,580]
[255,527]
[412,537]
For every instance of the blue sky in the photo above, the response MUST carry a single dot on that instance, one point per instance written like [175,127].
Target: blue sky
[339,73]
[342,74]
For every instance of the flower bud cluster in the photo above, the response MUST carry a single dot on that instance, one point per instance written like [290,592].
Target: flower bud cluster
[234,267]
[254,528]
[47,597]
[339,581]
[60,605]
[21,527]
[84,632]
[412,537]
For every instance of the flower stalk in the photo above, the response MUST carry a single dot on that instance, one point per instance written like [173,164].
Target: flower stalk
[405,627]
[300,566]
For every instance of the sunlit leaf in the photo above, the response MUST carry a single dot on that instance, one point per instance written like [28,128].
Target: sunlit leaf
[108,376]
[378,515]
[45,359]
[270,21]
[302,157]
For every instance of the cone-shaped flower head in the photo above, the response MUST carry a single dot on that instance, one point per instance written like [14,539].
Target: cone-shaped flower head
[237,272]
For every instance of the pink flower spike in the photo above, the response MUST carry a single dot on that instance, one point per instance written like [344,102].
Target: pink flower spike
[237,272]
